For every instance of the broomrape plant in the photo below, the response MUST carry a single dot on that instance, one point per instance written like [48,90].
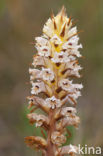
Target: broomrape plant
[53,90]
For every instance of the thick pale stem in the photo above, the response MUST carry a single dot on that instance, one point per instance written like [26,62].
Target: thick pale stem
[51,147]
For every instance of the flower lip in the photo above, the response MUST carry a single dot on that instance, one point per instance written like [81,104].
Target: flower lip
[53,102]
[41,41]
[47,74]
[65,84]
[61,57]
[68,111]
[37,87]
[44,51]
[38,119]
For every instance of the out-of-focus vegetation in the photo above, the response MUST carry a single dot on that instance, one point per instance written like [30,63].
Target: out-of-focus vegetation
[20,22]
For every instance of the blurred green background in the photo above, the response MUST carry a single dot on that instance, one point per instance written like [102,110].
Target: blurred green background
[20,22]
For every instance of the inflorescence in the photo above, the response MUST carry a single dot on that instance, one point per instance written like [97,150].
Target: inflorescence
[53,90]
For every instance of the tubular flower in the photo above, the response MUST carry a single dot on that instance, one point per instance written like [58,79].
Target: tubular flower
[53,90]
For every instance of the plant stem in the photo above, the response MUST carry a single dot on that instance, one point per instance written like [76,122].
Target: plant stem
[51,147]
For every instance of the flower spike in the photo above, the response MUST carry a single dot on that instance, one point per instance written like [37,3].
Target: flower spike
[53,89]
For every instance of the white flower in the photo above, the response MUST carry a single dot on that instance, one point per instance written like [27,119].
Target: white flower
[71,46]
[75,71]
[72,98]
[79,46]
[60,57]
[74,50]
[56,40]
[67,111]
[37,87]
[38,61]
[71,42]
[43,46]
[44,51]
[74,40]
[39,119]
[72,69]
[39,102]
[65,84]
[53,102]
[35,73]
[58,138]
[71,121]
[68,86]
[77,86]
[72,89]
[47,74]
[41,41]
